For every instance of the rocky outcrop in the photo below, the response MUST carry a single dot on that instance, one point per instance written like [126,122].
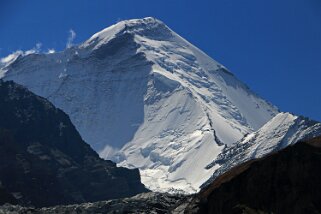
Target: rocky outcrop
[44,161]
[284,182]
[142,203]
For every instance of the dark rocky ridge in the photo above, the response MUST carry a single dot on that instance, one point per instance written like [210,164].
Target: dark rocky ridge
[284,182]
[44,161]
[149,203]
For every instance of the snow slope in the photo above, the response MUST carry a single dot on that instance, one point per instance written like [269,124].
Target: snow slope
[283,130]
[144,97]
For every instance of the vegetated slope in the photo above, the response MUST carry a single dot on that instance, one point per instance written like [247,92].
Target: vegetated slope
[44,161]
[283,182]
[144,97]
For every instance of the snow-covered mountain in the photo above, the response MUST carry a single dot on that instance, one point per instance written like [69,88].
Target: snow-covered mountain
[144,97]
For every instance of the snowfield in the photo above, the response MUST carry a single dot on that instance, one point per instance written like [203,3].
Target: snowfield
[145,98]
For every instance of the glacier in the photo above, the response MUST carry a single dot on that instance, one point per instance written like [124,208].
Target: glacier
[146,98]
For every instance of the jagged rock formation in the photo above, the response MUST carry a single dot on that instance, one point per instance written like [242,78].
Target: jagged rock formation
[44,161]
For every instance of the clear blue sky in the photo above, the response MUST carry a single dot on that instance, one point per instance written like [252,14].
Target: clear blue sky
[273,46]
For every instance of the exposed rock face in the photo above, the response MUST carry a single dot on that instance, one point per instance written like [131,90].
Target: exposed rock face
[142,203]
[44,161]
[284,182]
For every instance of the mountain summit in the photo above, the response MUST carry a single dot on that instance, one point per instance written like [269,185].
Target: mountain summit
[144,97]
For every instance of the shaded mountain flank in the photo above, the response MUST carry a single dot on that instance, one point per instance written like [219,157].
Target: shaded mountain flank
[45,162]
[287,181]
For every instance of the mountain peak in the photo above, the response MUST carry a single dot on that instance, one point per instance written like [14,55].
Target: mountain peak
[147,21]
[147,27]
[145,97]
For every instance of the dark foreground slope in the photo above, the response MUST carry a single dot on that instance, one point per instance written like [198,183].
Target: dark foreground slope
[44,161]
[285,182]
